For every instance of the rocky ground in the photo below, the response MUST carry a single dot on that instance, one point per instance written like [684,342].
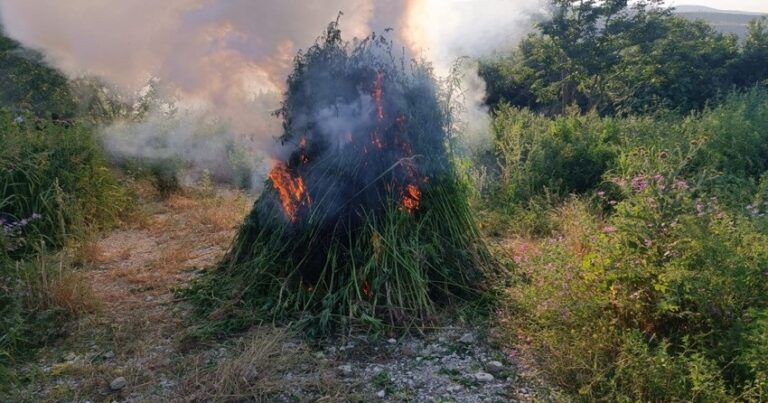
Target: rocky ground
[132,348]
[448,365]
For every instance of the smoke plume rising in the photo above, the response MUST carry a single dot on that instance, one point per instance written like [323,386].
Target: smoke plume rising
[215,57]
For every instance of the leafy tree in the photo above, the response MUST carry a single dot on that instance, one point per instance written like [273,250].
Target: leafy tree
[682,69]
[753,64]
[615,58]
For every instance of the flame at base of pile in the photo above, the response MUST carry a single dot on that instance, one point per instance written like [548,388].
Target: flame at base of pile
[292,191]
[364,222]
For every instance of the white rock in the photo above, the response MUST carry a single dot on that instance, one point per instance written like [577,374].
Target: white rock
[392,341]
[345,370]
[468,338]
[382,393]
[494,367]
[118,383]
[484,377]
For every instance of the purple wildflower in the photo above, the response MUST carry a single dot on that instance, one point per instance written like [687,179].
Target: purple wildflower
[681,184]
[639,183]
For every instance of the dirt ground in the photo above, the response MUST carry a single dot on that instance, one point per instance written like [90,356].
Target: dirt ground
[130,349]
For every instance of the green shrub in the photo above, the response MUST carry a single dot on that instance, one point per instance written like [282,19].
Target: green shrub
[28,84]
[680,274]
[660,294]
[54,180]
[54,188]
[561,156]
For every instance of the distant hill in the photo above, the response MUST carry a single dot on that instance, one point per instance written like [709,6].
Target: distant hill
[726,21]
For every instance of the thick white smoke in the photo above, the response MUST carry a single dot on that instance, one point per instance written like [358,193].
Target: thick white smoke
[216,56]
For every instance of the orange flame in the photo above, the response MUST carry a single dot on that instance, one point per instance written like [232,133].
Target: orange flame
[377,141]
[293,193]
[411,198]
[378,95]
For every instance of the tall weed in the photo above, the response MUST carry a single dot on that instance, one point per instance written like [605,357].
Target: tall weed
[55,188]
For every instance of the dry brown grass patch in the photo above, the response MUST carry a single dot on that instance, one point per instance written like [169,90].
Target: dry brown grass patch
[52,283]
[180,201]
[87,253]
[172,259]
[255,370]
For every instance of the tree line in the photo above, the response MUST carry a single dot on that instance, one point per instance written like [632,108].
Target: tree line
[617,58]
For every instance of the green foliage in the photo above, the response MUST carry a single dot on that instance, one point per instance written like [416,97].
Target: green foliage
[54,177]
[611,58]
[656,289]
[751,66]
[28,84]
[165,176]
[54,188]
[683,69]
[558,157]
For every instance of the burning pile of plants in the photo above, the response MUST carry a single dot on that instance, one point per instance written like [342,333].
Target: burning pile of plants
[364,220]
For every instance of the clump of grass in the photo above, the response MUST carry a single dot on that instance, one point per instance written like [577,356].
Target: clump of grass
[55,179]
[47,291]
[162,173]
[51,283]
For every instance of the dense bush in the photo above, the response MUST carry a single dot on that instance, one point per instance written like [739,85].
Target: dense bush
[655,287]
[560,156]
[53,183]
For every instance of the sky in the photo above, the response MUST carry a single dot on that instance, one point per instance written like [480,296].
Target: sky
[743,5]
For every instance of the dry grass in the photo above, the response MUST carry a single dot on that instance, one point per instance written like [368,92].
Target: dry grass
[214,212]
[157,272]
[257,368]
[87,253]
[53,283]
[128,274]
[172,258]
